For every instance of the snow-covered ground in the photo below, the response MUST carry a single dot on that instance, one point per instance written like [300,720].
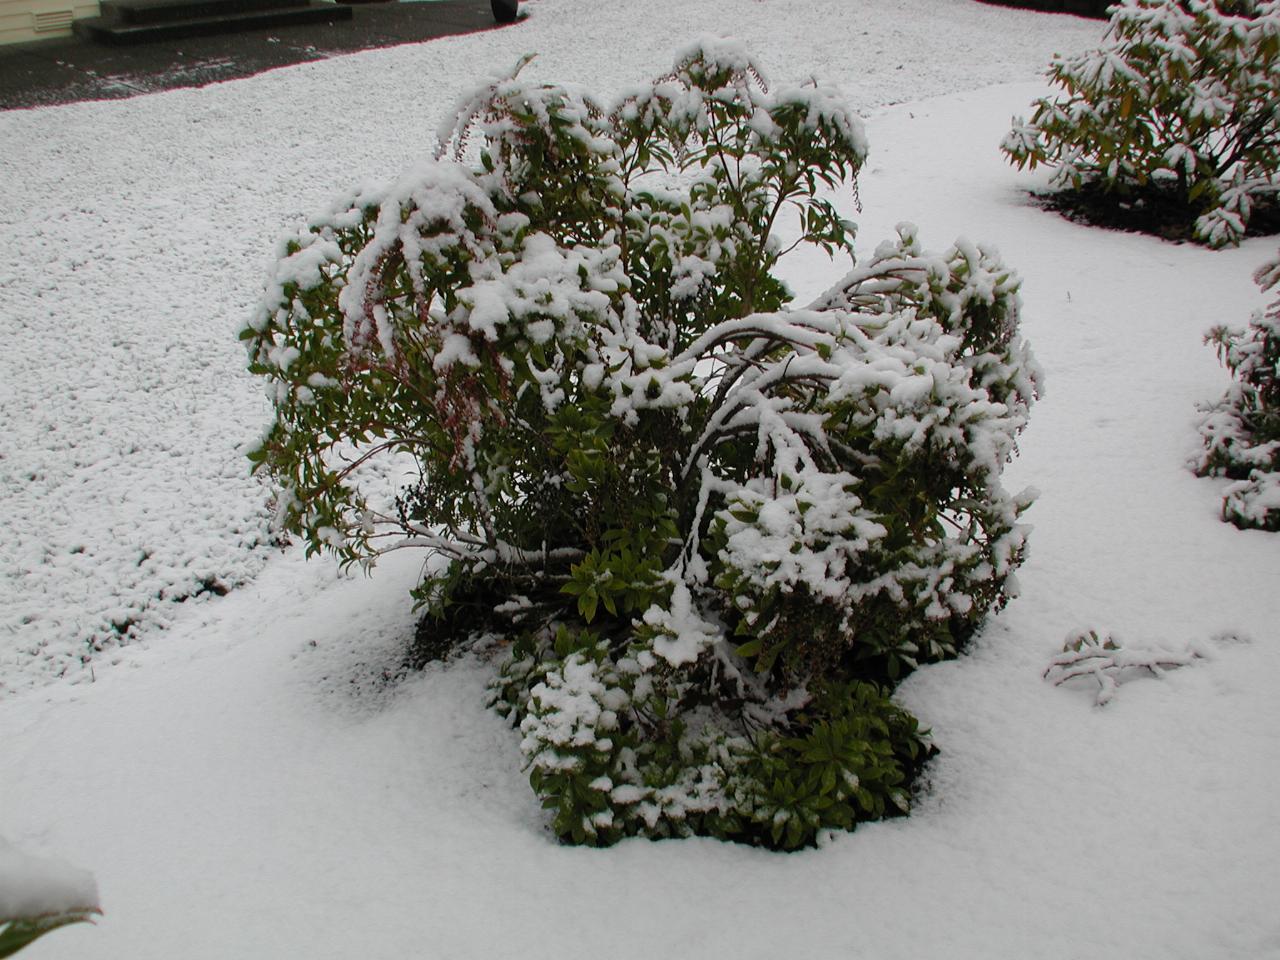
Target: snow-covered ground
[243,783]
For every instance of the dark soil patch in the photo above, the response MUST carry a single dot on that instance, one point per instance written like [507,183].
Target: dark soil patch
[1151,211]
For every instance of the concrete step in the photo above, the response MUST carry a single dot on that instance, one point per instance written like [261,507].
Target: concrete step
[167,11]
[116,31]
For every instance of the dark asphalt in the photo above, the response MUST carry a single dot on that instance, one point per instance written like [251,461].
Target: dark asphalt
[63,70]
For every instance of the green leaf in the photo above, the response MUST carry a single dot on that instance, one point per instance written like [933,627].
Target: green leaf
[18,933]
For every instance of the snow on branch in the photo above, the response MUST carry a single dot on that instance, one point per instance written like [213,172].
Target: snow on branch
[1102,657]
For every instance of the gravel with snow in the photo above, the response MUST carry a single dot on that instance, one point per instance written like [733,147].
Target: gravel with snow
[136,234]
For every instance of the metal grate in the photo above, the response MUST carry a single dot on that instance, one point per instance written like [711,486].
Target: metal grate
[53,20]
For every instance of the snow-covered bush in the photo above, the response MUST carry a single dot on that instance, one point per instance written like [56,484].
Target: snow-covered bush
[1242,430]
[1180,108]
[715,527]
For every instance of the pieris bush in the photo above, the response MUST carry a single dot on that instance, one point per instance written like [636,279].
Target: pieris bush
[1179,108]
[712,528]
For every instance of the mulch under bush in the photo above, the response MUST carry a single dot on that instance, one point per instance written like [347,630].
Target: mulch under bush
[1150,211]
[1082,8]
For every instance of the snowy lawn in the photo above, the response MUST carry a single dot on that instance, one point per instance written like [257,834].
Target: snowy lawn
[242,782]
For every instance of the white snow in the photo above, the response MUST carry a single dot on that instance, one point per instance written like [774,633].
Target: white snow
[243,781]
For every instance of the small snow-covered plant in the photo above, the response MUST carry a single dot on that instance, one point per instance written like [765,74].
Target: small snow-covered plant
[1241,431]
[38,896]
[715,527]
[1103,658]
[1179,108]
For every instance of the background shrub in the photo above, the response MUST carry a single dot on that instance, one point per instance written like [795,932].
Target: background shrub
[715,528]
[1241,431]
[1179,108]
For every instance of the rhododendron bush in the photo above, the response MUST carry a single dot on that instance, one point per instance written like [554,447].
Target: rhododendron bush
[709,528]
[1241,431]
[1178,109]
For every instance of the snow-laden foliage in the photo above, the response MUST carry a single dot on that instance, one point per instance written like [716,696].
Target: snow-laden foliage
[1242,430]
[715,527]
[1181,104]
